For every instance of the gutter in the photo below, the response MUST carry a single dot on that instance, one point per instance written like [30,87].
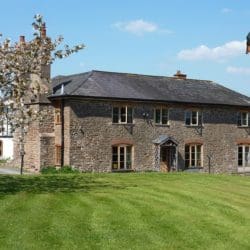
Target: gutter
[62,97]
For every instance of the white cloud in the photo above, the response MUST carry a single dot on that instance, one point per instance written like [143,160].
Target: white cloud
[220,53]
[139,27]
[226,10]
[238,70]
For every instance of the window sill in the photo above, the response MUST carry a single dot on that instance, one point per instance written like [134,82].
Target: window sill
[193,169]
[162,125]
[122,170]
[130,124]
[194,126]
[6,136]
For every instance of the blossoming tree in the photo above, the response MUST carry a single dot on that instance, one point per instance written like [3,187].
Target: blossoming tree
[21,72]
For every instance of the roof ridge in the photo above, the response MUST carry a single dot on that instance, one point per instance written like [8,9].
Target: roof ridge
[138,74]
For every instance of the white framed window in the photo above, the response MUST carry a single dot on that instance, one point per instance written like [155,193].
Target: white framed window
[122,114]
[193,155]
[122,157]
[193,118]
[244,155]
[243,119]
[161,116]
[5,125]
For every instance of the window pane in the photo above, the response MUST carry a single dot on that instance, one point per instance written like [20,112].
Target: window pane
[244,119]
[129,115]
[128,157]
[157,116]
[240,158]
[115,115]
[198,155]
[199,118]
[194,118]
[122,157]
[188,118]
[192,156]
[187,156]
[164,116]
[239,119]
[123,114]
[114,157]
[247,156]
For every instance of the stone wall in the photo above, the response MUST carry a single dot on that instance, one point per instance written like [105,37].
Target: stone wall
[90,134]
[39,141]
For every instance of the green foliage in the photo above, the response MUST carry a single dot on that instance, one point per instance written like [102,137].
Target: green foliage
[58,170]
[125,211]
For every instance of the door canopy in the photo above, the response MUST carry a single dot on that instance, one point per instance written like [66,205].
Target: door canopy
[164,140]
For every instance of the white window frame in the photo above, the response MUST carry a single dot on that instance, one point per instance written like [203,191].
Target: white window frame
[243,156]
[198,113]
[119,114]
[160,123]
[196,158]
[247,119]
[125,146]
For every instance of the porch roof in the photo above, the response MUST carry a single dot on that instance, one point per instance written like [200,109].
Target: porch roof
[162,139]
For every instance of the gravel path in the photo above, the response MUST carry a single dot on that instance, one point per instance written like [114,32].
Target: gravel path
[9,171]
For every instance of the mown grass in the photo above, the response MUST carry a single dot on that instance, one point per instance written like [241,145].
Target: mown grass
[125,211]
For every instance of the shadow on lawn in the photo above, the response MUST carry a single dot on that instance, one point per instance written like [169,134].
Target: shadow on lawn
[54,183]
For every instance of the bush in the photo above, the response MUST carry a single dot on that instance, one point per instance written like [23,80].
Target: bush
[56,170]
[67,170]
[49,170]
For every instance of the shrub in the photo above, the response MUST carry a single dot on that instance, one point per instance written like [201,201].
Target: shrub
[49,170]
[67,170]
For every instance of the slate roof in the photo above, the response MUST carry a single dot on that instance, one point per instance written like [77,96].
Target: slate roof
[100,84]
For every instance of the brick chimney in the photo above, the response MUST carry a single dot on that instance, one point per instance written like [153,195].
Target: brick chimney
[180,75]
[22,39]
[43,31]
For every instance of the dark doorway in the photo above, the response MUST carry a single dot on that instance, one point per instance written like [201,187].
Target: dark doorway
[167,155]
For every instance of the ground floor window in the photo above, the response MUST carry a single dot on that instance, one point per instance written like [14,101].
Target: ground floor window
[244,156]
[193,156]
[121,157]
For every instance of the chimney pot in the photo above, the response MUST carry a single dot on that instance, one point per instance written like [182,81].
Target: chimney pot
[43,31]
[180,75]
[22,39]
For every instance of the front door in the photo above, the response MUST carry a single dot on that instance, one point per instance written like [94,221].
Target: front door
[167,158]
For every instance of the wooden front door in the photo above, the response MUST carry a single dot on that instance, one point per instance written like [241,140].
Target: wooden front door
[167,158]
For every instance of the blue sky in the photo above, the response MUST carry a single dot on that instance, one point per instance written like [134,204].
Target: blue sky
[204,39]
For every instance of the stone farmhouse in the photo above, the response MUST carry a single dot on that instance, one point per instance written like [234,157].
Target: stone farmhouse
[105,121]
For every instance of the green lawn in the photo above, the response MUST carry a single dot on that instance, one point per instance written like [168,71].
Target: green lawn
[125,211]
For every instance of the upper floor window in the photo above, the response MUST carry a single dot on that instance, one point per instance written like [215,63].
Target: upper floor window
[121,157]
[244,119]
[161,116]
[244,155]
[122,114]
[193,118]
[193,155]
